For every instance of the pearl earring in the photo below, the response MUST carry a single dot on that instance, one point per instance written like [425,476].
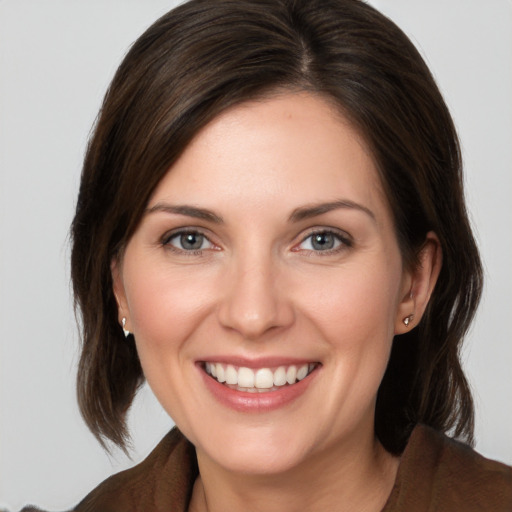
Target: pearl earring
[407,320]
[126,332]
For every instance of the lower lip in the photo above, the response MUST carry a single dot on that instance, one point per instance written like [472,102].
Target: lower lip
[256,402]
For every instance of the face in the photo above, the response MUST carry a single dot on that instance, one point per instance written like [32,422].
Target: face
[267,260]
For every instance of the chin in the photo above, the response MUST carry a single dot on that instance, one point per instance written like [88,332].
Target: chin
[260,460]
[255,451]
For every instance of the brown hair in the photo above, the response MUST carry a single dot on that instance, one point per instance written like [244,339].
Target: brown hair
[205,56]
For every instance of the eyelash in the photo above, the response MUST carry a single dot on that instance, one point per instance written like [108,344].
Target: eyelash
[342,239]
[168,237]
[344,242]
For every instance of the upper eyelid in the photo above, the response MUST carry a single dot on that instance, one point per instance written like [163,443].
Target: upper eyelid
[183,230]
[318,230]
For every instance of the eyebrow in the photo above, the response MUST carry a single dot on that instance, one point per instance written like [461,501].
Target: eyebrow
[307,212]
[189,211]
[301,213]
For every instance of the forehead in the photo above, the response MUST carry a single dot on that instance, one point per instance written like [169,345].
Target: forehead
[288,149]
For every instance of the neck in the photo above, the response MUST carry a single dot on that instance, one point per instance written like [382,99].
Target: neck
[336,479]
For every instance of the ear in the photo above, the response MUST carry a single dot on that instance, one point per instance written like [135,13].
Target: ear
[419,285]
[119,293]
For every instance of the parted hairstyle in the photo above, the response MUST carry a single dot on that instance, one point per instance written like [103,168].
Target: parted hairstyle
[206,56]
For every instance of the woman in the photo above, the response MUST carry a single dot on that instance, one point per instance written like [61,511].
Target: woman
[271,230]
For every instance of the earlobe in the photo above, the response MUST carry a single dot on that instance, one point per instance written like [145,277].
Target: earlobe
[421,284]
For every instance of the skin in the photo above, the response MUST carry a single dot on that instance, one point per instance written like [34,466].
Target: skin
[257,287]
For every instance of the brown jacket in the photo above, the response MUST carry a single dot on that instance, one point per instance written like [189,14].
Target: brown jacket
[436,474]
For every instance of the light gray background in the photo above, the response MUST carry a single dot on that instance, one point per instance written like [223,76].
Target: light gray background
[56,59]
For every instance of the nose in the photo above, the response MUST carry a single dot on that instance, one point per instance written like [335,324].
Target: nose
[255,300]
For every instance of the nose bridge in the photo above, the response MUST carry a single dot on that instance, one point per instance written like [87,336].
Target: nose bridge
[253,302]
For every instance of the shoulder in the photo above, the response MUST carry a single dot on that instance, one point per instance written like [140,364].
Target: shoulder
[440,473]
[162,481]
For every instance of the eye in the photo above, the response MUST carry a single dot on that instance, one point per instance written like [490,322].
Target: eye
[188,241]
[324,241]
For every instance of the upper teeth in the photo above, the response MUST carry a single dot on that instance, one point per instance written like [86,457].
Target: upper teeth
[262,378]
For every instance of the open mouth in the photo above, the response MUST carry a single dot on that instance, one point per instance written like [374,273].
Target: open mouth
[258,380]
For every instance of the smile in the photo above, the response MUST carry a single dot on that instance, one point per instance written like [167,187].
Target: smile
[258,380]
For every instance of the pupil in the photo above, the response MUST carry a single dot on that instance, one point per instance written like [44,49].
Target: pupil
[323,241]
[191,241]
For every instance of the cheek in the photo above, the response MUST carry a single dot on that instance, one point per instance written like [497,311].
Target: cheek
[362,302]
[357,318]
[165,307]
